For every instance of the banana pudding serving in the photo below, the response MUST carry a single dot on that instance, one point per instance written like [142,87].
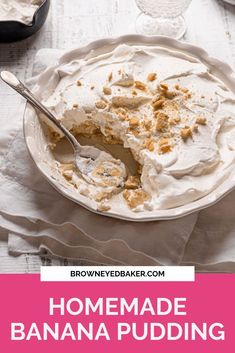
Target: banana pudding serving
[19,10]
[176,118]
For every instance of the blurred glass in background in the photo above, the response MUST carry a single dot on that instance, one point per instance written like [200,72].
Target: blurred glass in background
[162,17]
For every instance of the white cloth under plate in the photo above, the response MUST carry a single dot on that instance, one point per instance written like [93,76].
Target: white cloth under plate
[34,215]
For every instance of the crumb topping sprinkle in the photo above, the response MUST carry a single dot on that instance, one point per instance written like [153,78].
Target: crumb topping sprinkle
[167,113]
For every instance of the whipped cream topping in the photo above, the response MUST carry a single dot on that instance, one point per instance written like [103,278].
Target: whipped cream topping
[19,10]
[177,119]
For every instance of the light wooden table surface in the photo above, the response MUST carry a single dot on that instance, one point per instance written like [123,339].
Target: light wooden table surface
[71,23]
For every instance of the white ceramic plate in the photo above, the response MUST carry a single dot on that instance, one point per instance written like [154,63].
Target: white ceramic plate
[36,139]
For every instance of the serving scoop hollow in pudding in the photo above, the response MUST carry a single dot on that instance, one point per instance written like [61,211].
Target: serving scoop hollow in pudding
[87,159]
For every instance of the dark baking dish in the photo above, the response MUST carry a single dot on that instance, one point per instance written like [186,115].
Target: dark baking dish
[11,31]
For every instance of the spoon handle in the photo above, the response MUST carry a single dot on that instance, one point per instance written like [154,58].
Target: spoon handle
[19,87]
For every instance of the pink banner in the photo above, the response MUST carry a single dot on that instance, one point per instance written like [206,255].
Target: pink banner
[117,317]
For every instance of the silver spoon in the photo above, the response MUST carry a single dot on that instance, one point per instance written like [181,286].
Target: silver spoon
[84,156]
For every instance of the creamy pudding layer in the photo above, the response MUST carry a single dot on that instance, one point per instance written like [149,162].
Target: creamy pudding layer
[176,118]
[18,10]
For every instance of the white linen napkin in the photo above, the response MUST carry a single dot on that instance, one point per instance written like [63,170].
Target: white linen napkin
[34,215]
